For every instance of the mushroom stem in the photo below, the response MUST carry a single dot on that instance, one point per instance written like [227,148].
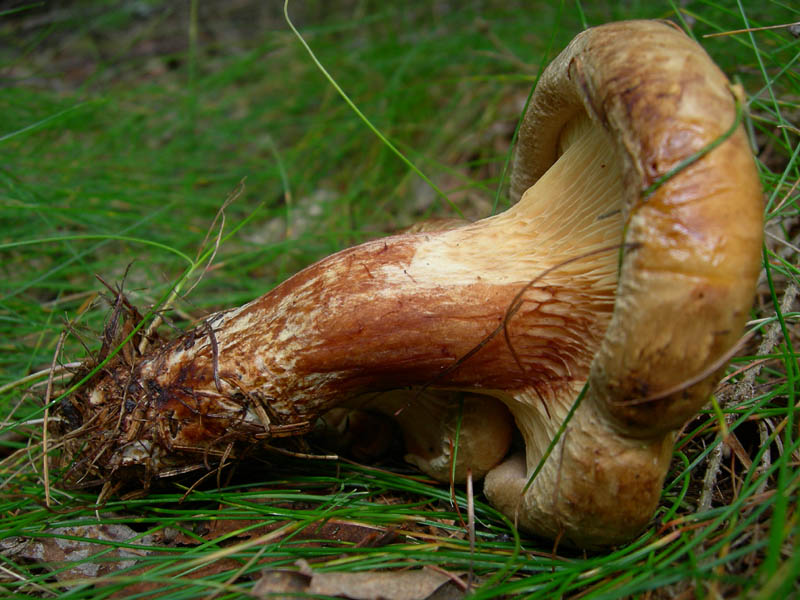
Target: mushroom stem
[392,313]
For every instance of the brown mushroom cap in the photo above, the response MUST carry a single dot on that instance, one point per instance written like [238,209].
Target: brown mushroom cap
[685,284]
[662,99]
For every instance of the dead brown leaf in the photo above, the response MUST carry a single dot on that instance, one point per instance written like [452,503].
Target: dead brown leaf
[83,551]
[332,531]
[413,584]
[149,590]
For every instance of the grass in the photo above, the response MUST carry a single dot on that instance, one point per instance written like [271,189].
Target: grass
[126,128]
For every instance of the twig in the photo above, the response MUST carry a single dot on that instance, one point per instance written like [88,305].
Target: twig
[293,454]
[34,376]
[749,29]
[768,343]
[449,574]
[766,458]
[710,478]
[785,198]
[45,424]
[470,527]
[738,392]
[780,240]
[26,581]
[212,340]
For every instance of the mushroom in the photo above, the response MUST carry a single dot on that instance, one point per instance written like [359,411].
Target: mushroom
[439,427]
[612,292]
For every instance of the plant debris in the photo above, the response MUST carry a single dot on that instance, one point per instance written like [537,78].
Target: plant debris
[413,584]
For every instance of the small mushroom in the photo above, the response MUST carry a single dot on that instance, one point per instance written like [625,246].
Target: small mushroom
[439,427]
[625,270]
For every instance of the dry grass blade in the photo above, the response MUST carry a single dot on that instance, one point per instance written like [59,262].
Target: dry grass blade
[46,421]
[751,29]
